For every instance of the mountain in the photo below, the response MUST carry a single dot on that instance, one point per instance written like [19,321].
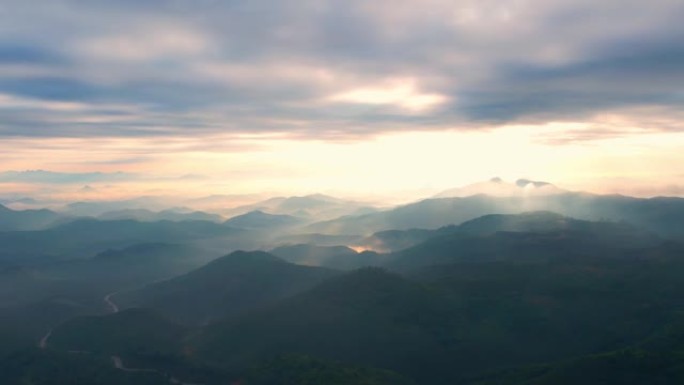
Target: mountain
[533,298]
[367,317]
[260,220]
[525,311]
[395,240]
[225,287]
[527,236]
[311,255]
[315,239]
[137,264]
[499,188]
[664,216]
[85,237]
[217,202]
[144,215]
[312,207]
[655,360]
[536,221]
[336,257]
[84,282]
[618,234]
[14,220]
[96,208]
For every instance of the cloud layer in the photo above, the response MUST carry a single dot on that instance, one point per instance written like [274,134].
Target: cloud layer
[51,177]
[316,68]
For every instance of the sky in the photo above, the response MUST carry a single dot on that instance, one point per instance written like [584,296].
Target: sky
[366,99]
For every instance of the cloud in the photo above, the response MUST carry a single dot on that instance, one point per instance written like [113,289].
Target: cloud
[400,93]
[323,69]
[153,42]
[51,177]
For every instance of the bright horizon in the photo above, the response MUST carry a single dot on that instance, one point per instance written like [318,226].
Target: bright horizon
[383,102]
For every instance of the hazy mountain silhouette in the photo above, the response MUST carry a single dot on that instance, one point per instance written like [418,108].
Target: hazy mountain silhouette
[85,237]
[259,220]
[96,208]
[500,188]
[337,257]
[86,281]
[144,215]
[313,207]
[12,220]
[662,215]
[521,237]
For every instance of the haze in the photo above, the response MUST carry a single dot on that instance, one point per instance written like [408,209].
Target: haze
[383,192]
[380,101]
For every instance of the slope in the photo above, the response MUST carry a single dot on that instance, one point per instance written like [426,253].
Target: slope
[662,215]
[225,287]
[367,317]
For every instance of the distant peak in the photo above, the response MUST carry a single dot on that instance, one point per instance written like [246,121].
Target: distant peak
[247,257]
[318,196]
[500,188]
[526,182]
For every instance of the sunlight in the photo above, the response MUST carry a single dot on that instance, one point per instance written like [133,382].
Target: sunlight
[402,93]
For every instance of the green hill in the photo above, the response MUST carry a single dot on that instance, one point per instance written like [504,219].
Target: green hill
[367,317]
[523,237]
[656,360]
[225,287]
[664,216]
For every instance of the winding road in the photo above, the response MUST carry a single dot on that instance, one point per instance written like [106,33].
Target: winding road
[116,360]
[112,306]
[43,341]
[118,363]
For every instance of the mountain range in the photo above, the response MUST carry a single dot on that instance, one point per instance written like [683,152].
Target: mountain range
[539,288]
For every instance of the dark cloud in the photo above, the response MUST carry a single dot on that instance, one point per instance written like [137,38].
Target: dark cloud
[155,68]
[14,53]
[649,75]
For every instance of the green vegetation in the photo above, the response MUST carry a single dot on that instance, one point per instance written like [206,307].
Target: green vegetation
[304,370]
[368,317]
[226,287]
[535,299]
[135,331]
[33,367]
